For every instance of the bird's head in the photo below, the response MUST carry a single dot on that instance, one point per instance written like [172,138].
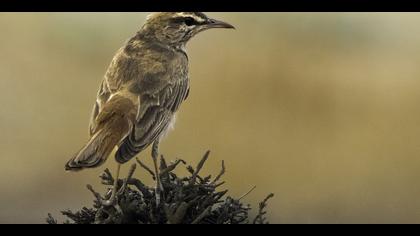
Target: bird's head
[176,28]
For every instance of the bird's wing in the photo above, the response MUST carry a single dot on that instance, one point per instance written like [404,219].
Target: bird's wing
[153,118]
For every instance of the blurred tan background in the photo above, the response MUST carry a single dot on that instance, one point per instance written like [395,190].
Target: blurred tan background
[319,108]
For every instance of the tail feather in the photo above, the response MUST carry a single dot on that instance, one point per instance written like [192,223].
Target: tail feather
[94,153]
[114,127]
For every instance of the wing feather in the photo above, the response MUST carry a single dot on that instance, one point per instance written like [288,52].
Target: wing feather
[153,119]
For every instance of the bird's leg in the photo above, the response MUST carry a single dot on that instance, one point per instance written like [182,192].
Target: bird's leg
[111,199]
[159,187]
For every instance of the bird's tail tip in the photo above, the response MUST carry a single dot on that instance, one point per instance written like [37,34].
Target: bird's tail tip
[72,167]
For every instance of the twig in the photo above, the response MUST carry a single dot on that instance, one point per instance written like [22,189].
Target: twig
[141,187]
[50,220]
[219,195]
[96,194]
[163,164]
[172,167]
[219,184]
[204,214]
[246,194]
[132,181]
[129,176]
[107,178]
[147,169]
[199,167]
[175,216]
[261,213]
[222,172]
[131,172]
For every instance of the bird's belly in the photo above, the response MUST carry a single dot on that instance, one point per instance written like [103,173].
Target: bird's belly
[169,127]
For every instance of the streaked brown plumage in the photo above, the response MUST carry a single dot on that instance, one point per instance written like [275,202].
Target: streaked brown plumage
[143,89]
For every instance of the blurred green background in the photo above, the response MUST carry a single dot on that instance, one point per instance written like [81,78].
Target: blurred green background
[319,108]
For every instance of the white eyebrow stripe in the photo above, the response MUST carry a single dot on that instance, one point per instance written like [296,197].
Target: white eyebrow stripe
[151,15]
[197,18]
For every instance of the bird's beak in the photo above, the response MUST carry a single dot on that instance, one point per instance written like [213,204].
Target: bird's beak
[212,23]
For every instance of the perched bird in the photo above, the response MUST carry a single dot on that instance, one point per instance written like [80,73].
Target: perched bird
[142,90]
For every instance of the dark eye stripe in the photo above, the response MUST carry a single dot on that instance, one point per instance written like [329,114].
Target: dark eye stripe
[189,21]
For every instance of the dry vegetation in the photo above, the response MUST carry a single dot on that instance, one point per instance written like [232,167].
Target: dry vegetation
[186,200]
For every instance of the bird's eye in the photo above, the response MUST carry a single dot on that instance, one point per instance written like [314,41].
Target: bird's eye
[189,21]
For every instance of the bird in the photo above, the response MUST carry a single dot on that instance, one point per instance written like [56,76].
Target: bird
[142,91]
